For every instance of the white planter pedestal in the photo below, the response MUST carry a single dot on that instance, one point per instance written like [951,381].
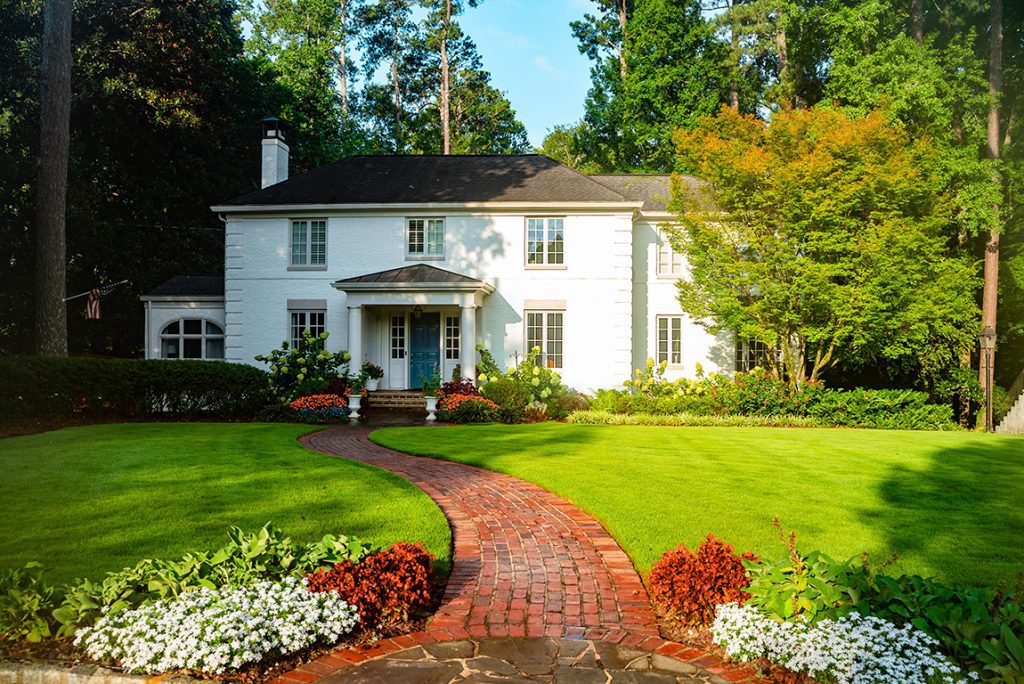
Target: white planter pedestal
[353,408]
[431,409]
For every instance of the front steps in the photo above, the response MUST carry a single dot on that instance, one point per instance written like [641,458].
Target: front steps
[1013,422]
[394,407]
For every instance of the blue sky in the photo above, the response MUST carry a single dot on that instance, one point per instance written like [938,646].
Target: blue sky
[532,56]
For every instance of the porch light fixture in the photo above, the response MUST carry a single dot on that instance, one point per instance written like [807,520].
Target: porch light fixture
[987,342]
[417,311]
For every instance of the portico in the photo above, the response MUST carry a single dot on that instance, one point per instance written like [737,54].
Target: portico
[414,322]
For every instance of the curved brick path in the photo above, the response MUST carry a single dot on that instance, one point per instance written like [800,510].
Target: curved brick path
[526,564]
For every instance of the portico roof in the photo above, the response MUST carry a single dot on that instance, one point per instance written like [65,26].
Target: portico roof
[415,278]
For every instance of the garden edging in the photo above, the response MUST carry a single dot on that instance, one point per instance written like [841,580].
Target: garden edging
[55,673]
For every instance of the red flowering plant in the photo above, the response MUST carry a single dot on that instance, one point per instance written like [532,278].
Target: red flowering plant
[320,408]
[386,587]
[465,408]
[689,586]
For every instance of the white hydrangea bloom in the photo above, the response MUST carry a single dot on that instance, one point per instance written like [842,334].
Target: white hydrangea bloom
[218,630]
[855,649]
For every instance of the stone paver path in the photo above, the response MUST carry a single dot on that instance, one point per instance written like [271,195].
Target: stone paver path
[526,564]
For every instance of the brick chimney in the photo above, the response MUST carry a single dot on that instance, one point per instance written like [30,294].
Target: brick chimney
[274,167]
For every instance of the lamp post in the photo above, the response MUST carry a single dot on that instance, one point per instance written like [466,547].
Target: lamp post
[987,342]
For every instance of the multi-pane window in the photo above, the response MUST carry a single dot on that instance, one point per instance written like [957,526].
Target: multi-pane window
[670,339]
[309,242]
[313,321]
[544,330]
[545,241]
[452,334]
[752,354]
[398,337]
[426,237]
[192,338]
[670,262]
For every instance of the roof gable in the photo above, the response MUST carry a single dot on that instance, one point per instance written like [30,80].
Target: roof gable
[426,179]
[420,273]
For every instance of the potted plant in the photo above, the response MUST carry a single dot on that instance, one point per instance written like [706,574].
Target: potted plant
[431,390]
[355,390]
[373,375]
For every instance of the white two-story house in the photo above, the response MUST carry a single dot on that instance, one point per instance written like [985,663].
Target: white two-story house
[410,261]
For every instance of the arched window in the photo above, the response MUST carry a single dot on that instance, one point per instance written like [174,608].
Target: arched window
[192,338]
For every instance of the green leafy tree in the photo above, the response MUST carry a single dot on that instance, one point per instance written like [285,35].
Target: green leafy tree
[823,235]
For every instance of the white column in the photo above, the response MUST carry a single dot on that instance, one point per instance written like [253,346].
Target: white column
[355,336]
[468,342]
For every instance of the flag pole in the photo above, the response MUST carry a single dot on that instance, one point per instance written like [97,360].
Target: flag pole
[112,285]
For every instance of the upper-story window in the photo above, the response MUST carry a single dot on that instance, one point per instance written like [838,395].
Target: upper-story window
[670,262]
[425,238]
[545,241]
[192,338]
[309,242]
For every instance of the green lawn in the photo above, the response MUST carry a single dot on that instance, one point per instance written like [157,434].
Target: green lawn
[92,499]
[950,504]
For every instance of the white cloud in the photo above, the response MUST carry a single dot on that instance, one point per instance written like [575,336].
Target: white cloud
[541,63]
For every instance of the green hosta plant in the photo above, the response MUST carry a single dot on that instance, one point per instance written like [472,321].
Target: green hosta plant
[26,603]
[267,554]
[305,369]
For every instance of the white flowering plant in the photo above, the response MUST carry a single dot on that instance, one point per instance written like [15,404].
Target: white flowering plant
[854,649]
[217,630]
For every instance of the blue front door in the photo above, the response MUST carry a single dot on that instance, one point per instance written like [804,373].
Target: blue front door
[424,348]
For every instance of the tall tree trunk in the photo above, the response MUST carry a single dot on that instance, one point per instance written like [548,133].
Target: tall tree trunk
[52,189]
[397,93]
[917,20]
[446,133]
[343,59]
[734,44]
[783,50]
[990,293]
[623,20]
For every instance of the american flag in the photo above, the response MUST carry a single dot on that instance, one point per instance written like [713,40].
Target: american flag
[92,306]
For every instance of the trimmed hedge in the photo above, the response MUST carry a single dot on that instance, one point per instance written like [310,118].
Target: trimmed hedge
[56,387]
[688,420]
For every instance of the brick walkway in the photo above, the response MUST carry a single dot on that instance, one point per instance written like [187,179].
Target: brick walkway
[526,564]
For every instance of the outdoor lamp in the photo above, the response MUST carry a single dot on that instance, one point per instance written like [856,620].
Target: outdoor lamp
[417,311]
[987,341]
[988,338]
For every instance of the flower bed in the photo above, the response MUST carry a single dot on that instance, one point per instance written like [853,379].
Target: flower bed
[320,408]
[465,408]
[216,630]
[688,420]
[854,649]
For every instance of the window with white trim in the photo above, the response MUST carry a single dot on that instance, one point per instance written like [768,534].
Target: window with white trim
[425,237]
[670,339]
[670,262]
[309,242]
[398,337]
[544,329]
[751,354]
[313,321]
[545,241]
[452,336]
[192,338]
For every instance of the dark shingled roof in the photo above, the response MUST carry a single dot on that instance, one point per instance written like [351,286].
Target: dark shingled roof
[420,273]
[413,179]
[654,191]
[190,286]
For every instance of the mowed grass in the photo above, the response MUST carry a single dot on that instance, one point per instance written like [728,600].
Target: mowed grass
[951,505]
[87,500]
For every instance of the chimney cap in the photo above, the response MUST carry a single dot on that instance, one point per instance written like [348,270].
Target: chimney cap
[273,127]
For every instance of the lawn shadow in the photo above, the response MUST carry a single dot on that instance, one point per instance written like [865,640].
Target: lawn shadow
[959,517]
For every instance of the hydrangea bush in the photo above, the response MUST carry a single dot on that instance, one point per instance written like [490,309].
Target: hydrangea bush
[854,649]
[216,630]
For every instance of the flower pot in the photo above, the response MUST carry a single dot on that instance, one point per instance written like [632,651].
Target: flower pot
[372,384]
[431,409]
[353,408]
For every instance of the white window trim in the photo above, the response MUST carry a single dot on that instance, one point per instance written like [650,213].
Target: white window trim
[307,266]
[410,256]
[181,336]
[291,341]
[453,342]
[657,339]
[544,265]
[403,350]
[664,243]
[544,335]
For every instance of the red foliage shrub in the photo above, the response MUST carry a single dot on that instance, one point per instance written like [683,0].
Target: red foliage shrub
[384,587]
[689,585]
[463,386]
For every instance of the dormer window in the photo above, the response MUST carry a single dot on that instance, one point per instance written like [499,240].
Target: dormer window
[425,238]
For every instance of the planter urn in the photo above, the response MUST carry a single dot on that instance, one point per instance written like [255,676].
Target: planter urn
[372,384]
[353,408]
[431,409]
